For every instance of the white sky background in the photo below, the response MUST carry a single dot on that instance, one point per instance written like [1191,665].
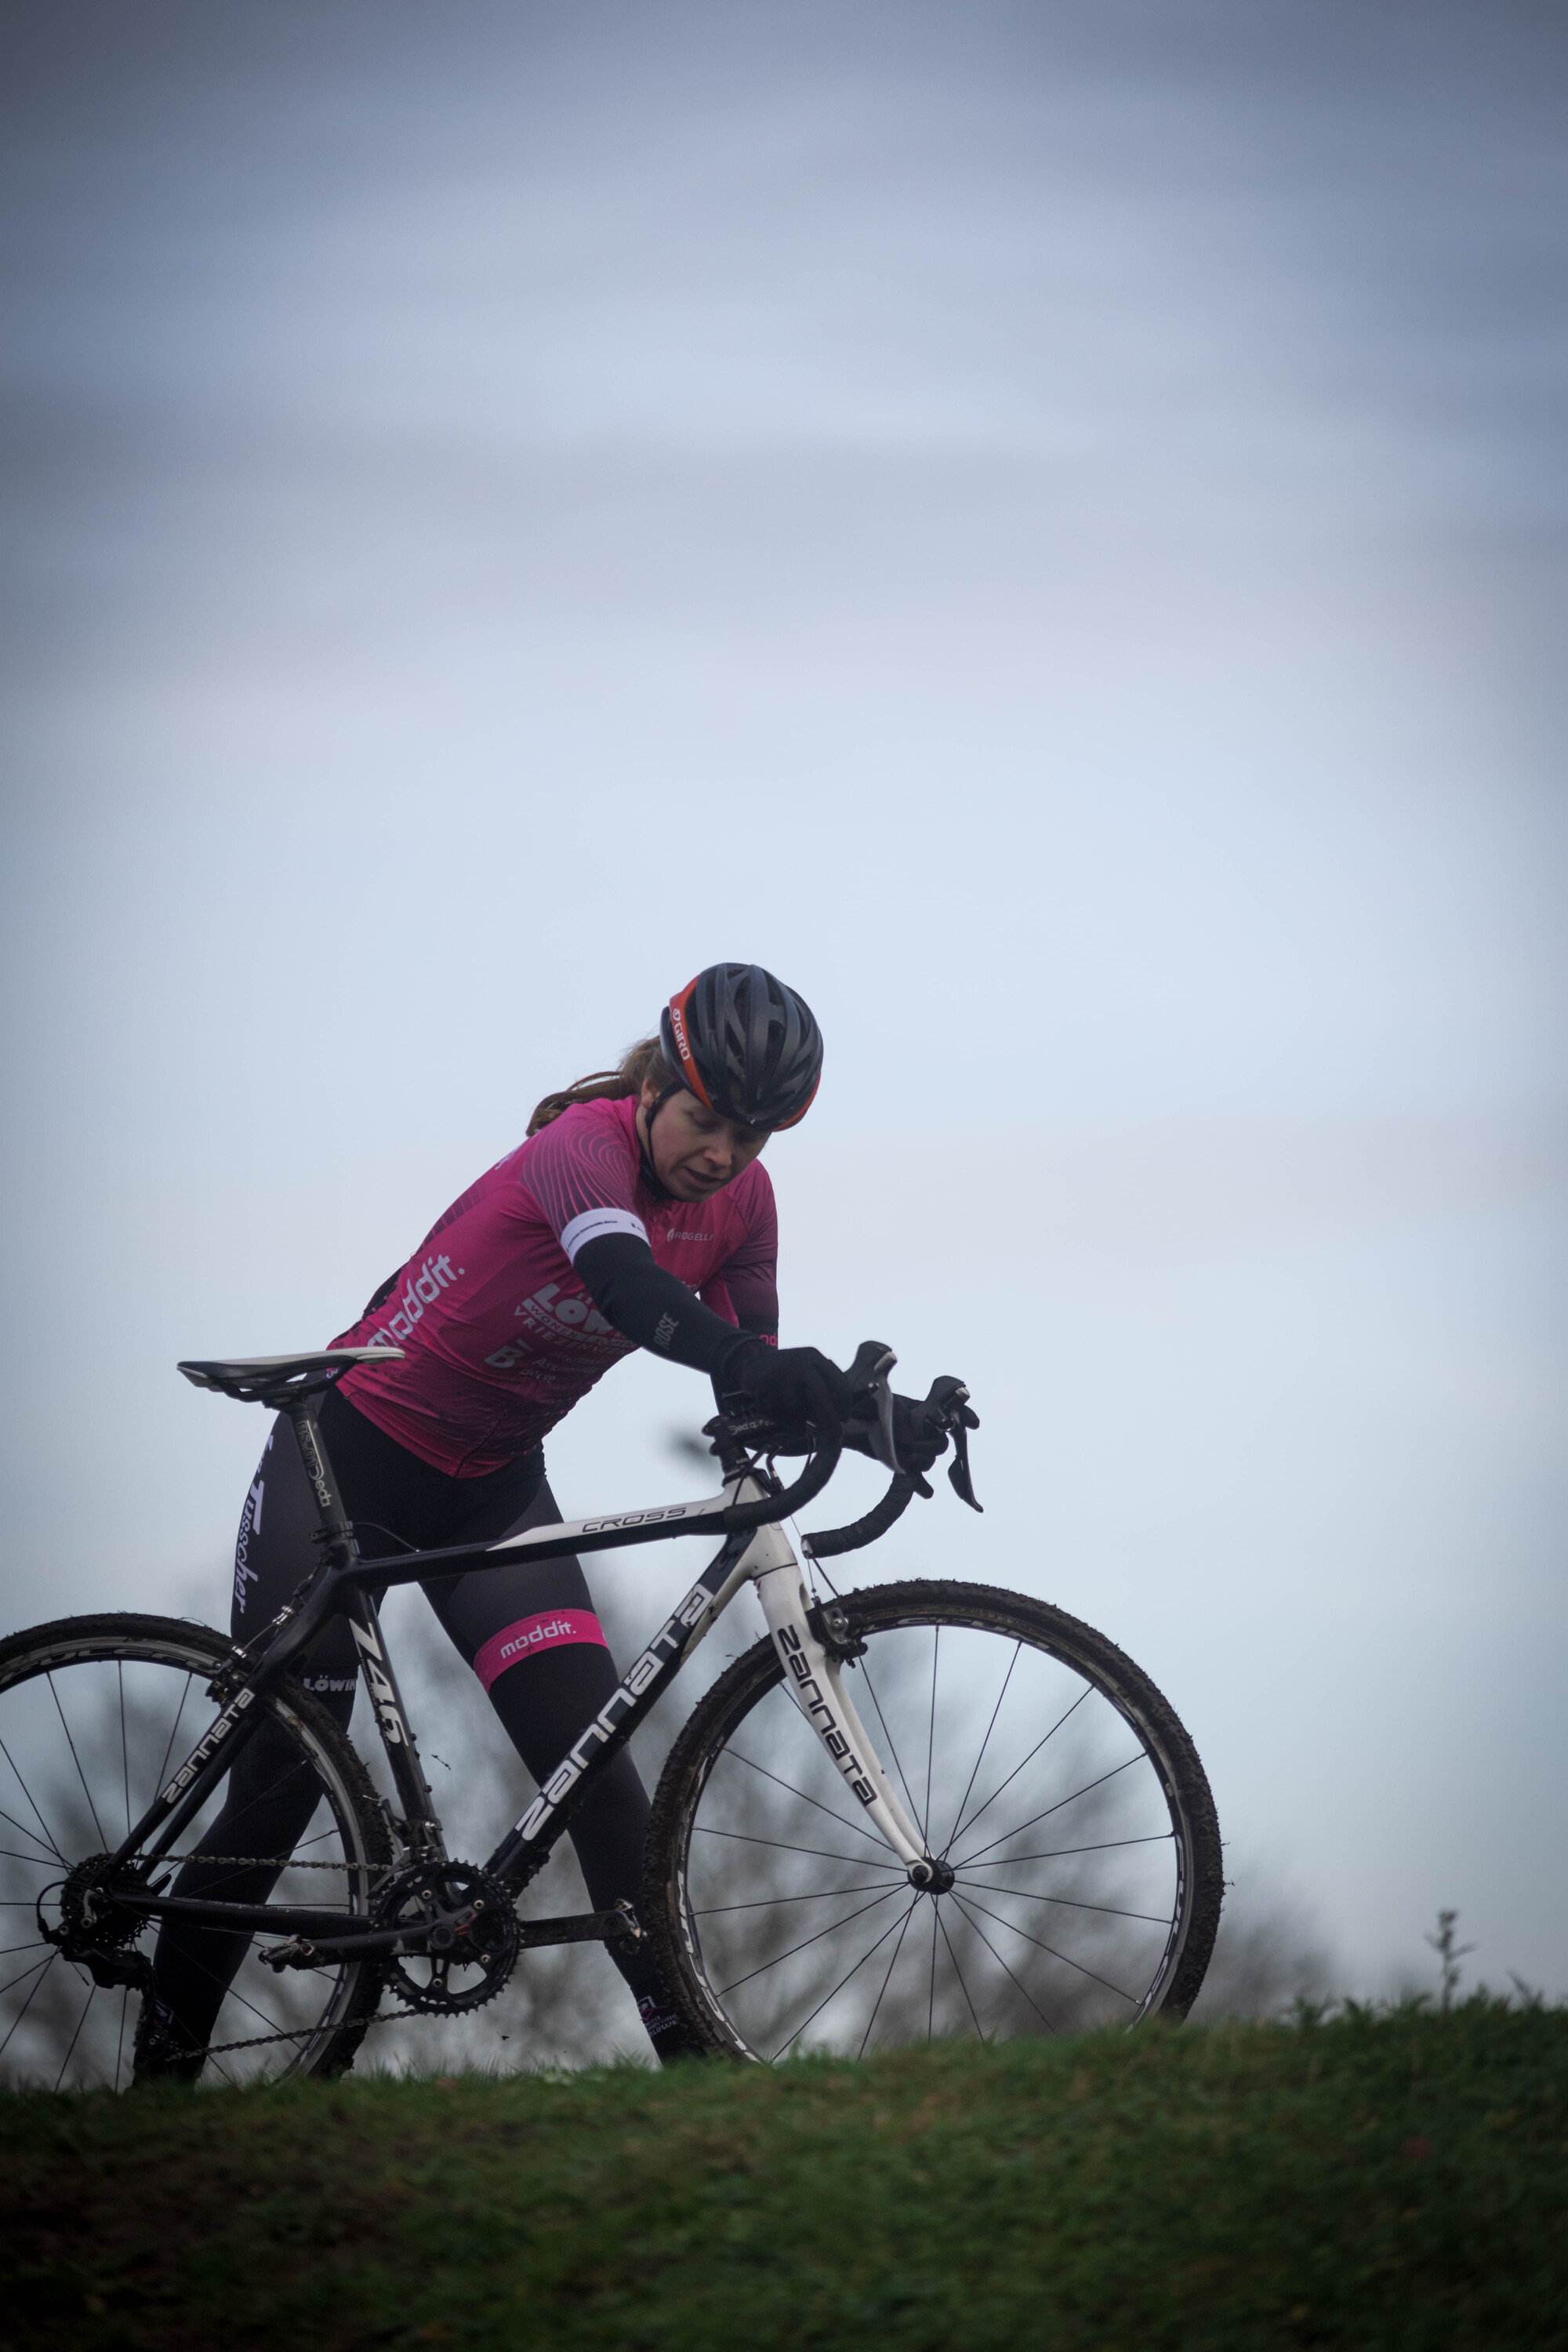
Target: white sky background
[1044,525]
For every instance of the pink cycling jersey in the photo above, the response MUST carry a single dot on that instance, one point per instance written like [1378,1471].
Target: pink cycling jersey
[500,1337]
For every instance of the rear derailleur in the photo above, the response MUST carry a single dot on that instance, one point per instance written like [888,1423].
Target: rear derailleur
[93,1931]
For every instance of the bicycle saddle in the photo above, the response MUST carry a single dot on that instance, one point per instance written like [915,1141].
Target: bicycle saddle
[269,1380]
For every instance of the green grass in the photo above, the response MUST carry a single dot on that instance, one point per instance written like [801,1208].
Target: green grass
[1374,2180]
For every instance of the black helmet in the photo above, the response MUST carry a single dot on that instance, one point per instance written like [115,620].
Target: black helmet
[744,1044]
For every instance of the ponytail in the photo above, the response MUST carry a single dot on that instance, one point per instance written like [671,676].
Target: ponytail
[643,1061]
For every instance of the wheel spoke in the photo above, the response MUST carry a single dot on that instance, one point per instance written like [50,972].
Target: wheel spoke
[892,1750]
[743,1837]
[958,1816]
[1013,1775]
[970,1860]
[22,1974]
[843,1981]
[832,1928]
[49,1837]
[38,1861]
[764,1903]
[1066,1902]
[931,1736]
[842,1818]
[228,1987]
[124,1751]
[40,1970]
[957,1971]
[173,1729]
[320,1837]
[886,1980]
[23,1830]
[1132,1999]
[1001,1963]
[931,2011]
[211,2056]
[1101,1845]
[75,2037]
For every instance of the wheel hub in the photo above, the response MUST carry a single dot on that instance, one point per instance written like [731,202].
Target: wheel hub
[933,1876]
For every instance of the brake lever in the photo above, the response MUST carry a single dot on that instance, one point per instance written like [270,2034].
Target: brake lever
[958,1476]
[887,1453]
[958,1418]
[869,1376]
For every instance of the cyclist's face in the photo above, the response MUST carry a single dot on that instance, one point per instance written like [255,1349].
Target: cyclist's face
[694,1151]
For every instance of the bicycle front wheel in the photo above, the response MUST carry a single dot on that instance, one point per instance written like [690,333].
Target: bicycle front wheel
[95,1712]
[1042,1767]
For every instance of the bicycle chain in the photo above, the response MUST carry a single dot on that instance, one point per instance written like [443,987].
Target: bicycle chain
[299,2034]
[264,1862]
[303,2032]
[284,1861]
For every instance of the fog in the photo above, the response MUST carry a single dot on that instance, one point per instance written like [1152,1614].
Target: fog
[1046,527]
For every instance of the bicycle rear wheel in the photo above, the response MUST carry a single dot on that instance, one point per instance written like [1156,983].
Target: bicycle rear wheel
[1041,1765]
[94,1712]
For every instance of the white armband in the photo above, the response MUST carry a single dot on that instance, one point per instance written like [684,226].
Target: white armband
[595,1223]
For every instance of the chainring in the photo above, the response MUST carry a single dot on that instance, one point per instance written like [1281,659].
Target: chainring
[472,1928]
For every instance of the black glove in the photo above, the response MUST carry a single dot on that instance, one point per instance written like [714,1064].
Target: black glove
[788,1384]
[919,1436]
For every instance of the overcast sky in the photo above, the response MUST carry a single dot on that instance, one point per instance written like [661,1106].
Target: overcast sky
[1043,524]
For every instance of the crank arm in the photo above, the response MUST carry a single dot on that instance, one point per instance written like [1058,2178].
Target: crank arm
[302,1953]
[619,1926]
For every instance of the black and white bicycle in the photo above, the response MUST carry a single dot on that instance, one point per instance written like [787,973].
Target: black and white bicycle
[916,1809]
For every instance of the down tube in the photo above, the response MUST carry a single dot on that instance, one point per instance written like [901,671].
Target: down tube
[524,1850]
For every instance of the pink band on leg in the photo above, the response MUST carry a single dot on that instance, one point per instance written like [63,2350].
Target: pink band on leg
[550,1629]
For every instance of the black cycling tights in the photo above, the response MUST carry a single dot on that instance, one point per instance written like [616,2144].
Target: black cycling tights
[543,1697]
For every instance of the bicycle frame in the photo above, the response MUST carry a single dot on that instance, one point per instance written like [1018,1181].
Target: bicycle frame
[343,1586]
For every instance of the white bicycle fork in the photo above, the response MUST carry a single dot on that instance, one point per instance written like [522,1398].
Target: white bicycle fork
[816,1683]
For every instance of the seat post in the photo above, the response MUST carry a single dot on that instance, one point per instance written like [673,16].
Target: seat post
[336,1531]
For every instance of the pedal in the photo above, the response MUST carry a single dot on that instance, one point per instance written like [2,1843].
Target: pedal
[296,1953]
[632,1934]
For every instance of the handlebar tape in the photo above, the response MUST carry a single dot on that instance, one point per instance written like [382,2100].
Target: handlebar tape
[877,1521]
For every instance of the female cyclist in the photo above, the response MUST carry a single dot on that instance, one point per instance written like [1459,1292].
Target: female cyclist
[635,1214]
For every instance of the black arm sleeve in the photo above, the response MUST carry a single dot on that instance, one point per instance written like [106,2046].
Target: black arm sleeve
[651,1306]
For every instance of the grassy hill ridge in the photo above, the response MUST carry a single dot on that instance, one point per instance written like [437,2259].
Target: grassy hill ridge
[1391,2181]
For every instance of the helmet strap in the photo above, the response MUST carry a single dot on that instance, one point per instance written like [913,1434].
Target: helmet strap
[645,1141]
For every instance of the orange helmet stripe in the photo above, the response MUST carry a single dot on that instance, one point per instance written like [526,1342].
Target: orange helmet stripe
[689,1072]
